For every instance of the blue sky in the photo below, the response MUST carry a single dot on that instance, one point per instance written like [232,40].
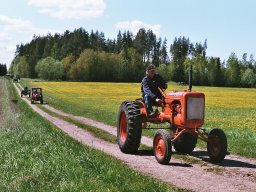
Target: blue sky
[228,25]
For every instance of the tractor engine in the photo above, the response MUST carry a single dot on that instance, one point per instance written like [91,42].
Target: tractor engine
[184,109]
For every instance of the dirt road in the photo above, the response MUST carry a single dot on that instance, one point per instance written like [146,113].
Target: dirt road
[233,174]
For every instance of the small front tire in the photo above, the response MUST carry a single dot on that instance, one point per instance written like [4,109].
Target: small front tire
[217,145]
[162,147]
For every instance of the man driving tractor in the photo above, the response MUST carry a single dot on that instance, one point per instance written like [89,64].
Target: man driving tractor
[149,88]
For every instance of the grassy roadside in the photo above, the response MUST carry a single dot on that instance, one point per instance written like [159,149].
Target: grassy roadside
[9,110]
[36,156]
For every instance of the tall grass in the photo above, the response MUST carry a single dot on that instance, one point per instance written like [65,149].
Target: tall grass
[8,98]
[232,109]
[36,156]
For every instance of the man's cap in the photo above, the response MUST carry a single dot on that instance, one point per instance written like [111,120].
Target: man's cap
[151,67]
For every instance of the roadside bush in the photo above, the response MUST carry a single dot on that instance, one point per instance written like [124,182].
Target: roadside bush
[50,69]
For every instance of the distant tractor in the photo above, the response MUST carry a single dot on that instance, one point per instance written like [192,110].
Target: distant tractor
[25,92]
[184,111]
[37,95]
[16,78]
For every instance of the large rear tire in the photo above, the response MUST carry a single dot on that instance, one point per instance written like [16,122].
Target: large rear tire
[217,145]
[129,127]
[185,144]
[162,146]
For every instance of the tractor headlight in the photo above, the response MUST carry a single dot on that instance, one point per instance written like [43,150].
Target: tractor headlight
[195,108]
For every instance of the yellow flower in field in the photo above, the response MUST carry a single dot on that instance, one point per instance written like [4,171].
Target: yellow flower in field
[225,107]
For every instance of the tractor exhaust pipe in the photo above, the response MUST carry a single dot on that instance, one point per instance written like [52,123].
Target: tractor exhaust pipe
[190,77]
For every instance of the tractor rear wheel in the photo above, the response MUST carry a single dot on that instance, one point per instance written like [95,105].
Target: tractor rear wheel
[185,144]
[129,127]
[162,146]
[217,145]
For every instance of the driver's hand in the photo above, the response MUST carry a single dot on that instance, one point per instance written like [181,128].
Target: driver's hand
[159,101]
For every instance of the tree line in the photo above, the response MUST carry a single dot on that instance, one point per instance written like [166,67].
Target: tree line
[84,56]
[3,69]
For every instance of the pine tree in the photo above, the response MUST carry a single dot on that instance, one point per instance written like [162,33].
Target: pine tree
[179,51]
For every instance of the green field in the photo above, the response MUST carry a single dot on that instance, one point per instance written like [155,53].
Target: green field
[36,156]
[232,109]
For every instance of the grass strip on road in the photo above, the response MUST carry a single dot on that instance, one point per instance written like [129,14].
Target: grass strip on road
[96,132]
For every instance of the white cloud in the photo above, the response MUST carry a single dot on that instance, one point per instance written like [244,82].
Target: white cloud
[135,25]
[15,31]
[14,25]
[7,54]
[70,9]
[8,48]
[19,25]
[5,37]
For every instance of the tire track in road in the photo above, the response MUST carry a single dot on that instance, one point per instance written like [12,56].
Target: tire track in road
[176,173]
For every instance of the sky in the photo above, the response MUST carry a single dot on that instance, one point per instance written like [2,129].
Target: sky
[228,25]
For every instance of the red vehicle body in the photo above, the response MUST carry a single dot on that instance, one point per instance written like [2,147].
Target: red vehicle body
[184,109]
[37,95]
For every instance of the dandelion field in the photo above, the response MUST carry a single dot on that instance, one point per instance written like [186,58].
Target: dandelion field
[231,109]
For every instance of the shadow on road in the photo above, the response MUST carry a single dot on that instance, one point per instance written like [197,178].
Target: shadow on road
[225,163]
[180,164]
[150,152]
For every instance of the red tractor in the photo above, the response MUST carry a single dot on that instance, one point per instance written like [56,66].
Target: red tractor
[37,95]
[184,111]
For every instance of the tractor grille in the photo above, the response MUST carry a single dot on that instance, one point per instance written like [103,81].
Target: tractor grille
[195,108]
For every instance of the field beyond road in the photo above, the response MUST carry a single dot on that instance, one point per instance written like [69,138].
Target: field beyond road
[231,109]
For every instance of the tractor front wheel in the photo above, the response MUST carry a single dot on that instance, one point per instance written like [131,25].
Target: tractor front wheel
[217,145]
[129,127]
[162,147]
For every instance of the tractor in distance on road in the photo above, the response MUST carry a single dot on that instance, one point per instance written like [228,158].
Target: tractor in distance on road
[184,111]
[16,78]
[37,95]
[25,92]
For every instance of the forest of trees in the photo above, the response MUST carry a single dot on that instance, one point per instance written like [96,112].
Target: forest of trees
[3,69]
[84,56]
